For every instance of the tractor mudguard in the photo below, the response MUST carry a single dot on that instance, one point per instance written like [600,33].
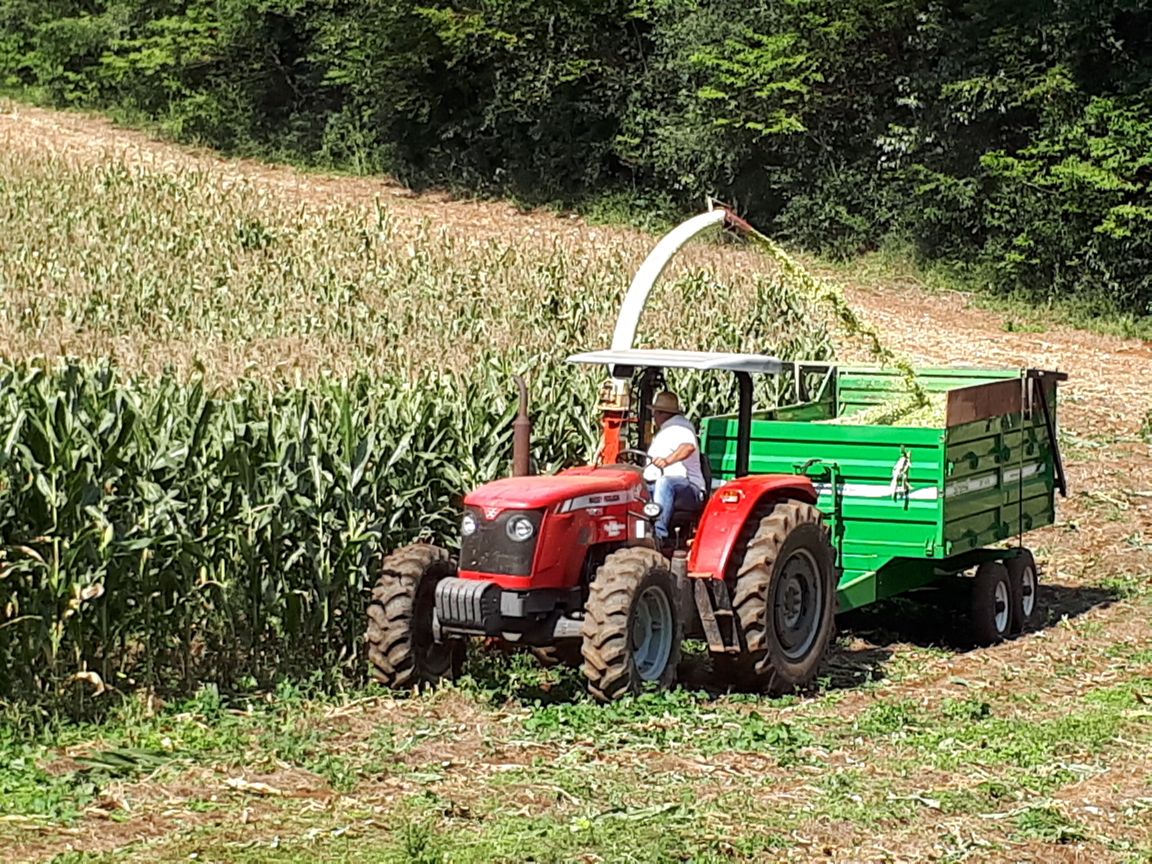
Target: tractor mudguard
[729,508]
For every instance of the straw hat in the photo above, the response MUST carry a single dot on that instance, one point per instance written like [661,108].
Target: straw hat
[666,402]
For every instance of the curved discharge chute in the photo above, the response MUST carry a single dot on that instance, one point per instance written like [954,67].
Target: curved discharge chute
[652,268]
[615,396]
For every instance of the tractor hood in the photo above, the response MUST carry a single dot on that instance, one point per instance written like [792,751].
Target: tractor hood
[540,491]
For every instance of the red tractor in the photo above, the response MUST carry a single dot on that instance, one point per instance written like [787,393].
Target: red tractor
[568,564]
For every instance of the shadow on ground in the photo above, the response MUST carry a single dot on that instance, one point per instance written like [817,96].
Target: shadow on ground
[940,620]
[866,641]
[867,638]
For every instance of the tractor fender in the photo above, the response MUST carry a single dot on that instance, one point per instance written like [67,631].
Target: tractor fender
[727,511]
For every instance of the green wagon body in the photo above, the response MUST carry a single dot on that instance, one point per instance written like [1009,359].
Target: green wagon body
[987,473]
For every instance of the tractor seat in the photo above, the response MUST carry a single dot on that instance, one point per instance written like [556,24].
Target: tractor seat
[684,517]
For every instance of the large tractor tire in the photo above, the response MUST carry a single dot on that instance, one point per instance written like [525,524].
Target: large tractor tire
[631,631]
[784,602]
[990,604]
[1024,584]
[401,651]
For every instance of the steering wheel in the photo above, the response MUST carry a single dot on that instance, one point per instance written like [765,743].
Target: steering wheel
[647,460]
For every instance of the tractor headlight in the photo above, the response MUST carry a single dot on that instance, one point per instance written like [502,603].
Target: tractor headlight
[520,528]
[468,525]
[651,509]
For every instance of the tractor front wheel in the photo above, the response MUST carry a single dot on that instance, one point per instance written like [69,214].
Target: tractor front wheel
[784,602]
[402,652]
[631,631]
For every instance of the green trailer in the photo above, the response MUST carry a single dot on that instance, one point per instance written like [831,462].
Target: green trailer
[941,497]
[910,505]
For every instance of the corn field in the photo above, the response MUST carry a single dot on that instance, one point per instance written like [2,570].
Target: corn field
[218,403]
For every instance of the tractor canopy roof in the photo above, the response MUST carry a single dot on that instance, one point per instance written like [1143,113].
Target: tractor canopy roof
[621,360]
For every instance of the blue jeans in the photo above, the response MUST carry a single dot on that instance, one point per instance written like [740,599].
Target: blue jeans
[672,493]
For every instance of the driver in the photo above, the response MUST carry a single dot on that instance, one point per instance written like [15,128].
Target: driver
[674,450]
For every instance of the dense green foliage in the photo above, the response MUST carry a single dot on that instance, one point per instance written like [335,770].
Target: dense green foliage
[1012,137]
[155,534]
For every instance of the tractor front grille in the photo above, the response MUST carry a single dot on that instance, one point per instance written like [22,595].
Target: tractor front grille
[490,550]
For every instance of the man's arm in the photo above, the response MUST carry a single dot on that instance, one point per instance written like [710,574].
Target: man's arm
[678,455]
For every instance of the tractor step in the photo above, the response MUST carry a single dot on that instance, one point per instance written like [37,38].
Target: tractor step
[716,616]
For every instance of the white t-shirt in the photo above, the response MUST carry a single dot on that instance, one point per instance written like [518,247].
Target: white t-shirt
[676,430]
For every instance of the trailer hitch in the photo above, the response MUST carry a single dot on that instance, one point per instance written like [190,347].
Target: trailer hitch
[828,475]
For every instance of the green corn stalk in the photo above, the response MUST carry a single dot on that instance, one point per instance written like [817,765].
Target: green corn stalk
[290,390]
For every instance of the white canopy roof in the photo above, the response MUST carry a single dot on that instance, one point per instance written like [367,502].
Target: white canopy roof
[700,360]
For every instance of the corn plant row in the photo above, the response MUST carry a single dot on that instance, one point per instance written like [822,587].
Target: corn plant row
[266,393]
[155,534]
[151,533]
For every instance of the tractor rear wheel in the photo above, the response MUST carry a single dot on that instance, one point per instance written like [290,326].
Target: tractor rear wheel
[631,631]
[990,604]
[1024,583]
[784,602]
[402,652]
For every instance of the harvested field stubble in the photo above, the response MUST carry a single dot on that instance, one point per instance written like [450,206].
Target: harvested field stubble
[336,380]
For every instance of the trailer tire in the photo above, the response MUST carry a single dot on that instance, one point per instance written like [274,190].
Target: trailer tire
[631,631]
[1024,582]
[990,604]
[784,602]
[402,653]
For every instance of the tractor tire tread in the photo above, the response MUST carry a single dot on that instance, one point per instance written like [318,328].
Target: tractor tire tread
[753,668]
[392,657]
[607,665]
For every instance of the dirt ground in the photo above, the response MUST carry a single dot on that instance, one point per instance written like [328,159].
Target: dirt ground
[1105,524]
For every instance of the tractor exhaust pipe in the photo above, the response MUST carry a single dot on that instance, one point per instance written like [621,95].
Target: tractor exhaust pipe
[522,435]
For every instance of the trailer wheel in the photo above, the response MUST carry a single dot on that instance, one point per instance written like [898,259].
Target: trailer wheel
[631,631]
[402,652]
[784,602]
[991,604]
[1024,581]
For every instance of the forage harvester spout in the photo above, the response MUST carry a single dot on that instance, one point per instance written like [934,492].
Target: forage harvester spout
[522,435]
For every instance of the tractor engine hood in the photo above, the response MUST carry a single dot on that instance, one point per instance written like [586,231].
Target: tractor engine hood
[617,484]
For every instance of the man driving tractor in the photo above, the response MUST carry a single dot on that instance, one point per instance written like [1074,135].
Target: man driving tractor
[678,482]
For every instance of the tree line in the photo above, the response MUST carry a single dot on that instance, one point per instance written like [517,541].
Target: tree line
[1012,138]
